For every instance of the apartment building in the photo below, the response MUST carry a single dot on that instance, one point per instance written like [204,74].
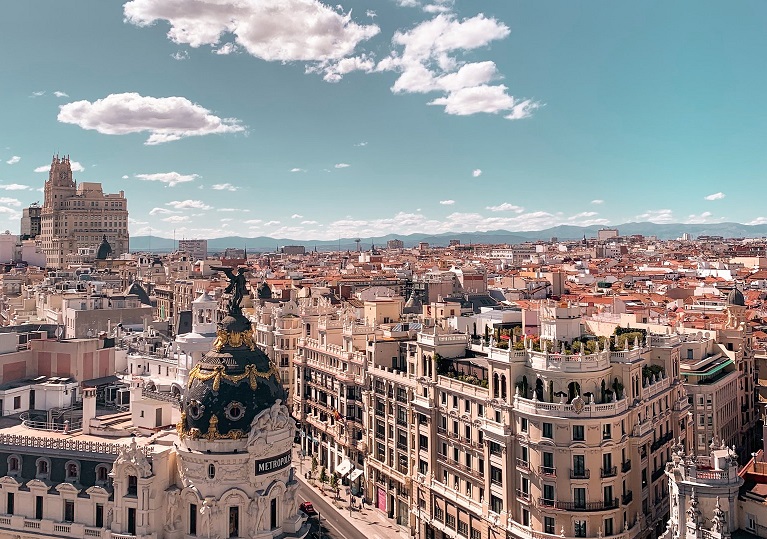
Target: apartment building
[75,217]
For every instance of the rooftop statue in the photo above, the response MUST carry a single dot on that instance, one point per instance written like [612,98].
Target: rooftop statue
[237,287]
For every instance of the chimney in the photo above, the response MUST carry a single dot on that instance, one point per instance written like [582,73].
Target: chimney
[89,408]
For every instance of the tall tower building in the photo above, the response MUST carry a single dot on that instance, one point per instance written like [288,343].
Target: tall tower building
[76,217]
[30,221]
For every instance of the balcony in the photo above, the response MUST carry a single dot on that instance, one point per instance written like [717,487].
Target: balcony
[586,506]
[525,496]
[626,498]
[580,474]
[626,466]
[657,444]
[543,502]
[609,472]
[548,471]
[657,474]
[523,464]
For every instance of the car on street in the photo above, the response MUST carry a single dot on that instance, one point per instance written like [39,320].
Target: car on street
[308,508]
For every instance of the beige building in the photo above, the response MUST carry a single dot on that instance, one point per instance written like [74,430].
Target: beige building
[75,217]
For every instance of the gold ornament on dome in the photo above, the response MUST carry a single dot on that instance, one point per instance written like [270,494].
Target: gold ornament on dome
[235,339]
[219,372]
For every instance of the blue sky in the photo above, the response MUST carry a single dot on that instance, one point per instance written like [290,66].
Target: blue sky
[304,120]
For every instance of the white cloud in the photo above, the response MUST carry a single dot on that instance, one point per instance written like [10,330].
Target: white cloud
[361,144]
[14,187]
[296,216]
[430,61]
[13,160]
[59,93]
[657,216]
[75,166]
[175,219]
[758,221]
[506,207]
[224,187]
[297,170]
[703,218]
[10,201]
[253,222]
[342,165]
[582,215]
[226,48]
[308,222]
[477,172]
[272,30]
[160,211]
[333,71]
[165,118]
[271,223]
[484,98]
[597,201]
[172,179]
[125,176]
[715,196]
[188,205]
[180,55]
[232,209]
[447,202]
[370,13]
[38,94]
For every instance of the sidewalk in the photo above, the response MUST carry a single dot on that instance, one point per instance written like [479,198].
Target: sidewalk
[369,521]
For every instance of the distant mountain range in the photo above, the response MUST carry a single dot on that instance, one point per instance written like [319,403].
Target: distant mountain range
[562,232]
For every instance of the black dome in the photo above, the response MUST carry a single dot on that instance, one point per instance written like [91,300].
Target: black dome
[230,386]
[735,297]
[104,249]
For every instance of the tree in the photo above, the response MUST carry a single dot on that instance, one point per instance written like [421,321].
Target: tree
[323,475]
[314,464]
[334,484]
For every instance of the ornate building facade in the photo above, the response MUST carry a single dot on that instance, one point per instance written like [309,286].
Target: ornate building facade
[77,217]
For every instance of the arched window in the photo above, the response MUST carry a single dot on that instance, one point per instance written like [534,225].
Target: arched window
[495,385]
[102,474]
[573,389]
[14,464]
[72,470]
[503,386]
[43,468]
[539,389]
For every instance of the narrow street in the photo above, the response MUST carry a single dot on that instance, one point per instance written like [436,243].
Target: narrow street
[334,526]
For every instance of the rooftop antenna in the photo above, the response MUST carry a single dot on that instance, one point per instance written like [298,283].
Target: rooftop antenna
[357,241]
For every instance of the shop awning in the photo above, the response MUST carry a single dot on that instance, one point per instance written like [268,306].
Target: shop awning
[355,474]
[344,468]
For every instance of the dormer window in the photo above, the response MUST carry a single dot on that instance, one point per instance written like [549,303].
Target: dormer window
[43,468]
[14,464]
[102,474]
[72,471]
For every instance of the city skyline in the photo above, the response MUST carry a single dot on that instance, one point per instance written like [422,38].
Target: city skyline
[394,117]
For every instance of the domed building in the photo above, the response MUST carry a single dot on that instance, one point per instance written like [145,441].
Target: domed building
[235,441]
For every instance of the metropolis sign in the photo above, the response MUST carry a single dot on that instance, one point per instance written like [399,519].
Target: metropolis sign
[273,464]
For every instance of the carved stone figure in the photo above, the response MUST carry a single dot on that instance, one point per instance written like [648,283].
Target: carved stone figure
[274,418]
[173,516]
[291,499]
[206,513]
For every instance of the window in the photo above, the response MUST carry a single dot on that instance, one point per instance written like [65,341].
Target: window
[43,467]
[102,473]
[73,471]
[579,466]
[523,424]
[496,504]
[14,464]
[579,497]
[16,403]
[132,485]
[608,526]
[578,434]
[467,407]
[99,515]
[496,475]
[38,507]
[463,528]
[495,448]
[423,442]
[476,534]
[69,511]
[549,525]
[548,463]
[549,493]
[580,528]
[606,431]
[480,413]
[10,502]
[211,471]
[548,430]
[455,401]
